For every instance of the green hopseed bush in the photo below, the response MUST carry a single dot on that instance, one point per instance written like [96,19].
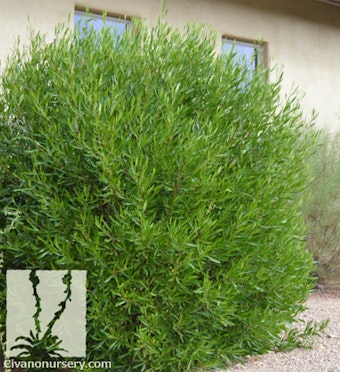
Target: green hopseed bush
[170,174]
[322,209]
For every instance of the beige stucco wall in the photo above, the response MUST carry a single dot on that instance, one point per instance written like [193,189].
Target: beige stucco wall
[303,36]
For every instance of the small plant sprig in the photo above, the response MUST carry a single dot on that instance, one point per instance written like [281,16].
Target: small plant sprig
[294,338]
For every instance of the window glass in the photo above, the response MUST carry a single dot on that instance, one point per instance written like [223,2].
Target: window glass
[251,53]
[80,18]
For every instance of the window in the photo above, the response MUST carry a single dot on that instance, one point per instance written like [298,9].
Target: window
[251,53]
[96,19]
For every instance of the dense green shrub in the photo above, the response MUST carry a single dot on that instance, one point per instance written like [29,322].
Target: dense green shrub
[170,174]
[322,211]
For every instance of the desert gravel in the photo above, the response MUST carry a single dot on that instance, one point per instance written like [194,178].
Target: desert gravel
[325,354]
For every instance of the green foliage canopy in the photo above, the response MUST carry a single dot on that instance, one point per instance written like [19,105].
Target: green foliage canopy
[170,175]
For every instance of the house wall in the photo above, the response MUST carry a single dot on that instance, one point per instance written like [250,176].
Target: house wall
[302,35]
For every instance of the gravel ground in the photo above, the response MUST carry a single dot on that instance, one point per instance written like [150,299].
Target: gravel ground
[325,355]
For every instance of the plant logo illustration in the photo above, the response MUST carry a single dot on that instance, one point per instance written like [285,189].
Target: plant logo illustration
[48,333]
[46,346]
